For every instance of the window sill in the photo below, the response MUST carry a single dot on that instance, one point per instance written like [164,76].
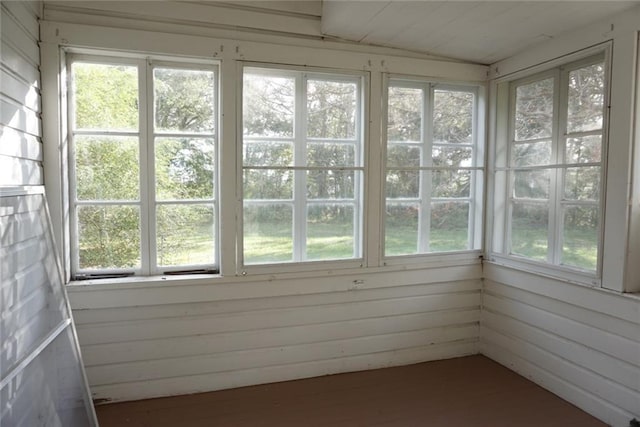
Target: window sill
[273,273]
[557,272]
[141,281]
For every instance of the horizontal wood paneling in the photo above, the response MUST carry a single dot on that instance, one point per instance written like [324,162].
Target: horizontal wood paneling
[17,89]
[231,379]
[19,37]
[556,334]
[275,356]
[20,122]
[274,338]
[28,307]
[19,63]
[172,347]
[17,172]
[19,117]
[14,143]
[207,14]
[258,319]
[24,13]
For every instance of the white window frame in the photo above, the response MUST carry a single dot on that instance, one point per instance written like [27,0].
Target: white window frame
[146,135]
[476,192]
[502,168]
[299,140]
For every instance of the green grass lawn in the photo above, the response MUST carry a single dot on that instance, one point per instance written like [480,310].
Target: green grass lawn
[580,248]
[272,243]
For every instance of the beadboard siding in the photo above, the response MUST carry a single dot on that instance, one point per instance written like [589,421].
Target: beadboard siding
[581,343]
[158,350]
[20,121]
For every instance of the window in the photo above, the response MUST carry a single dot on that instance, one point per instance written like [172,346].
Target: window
[142,140]
[434,165]
[302,166]
[554,166]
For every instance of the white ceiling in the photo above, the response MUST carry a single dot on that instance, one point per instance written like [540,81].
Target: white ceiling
[477,31]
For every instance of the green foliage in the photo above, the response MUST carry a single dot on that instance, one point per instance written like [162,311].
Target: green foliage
[106,96]
[184,100]
[268,106]
[185,235]
[404,122]
[184,168]
[534,110]
[331,109]
[107,168]
[109,237]
[452,116]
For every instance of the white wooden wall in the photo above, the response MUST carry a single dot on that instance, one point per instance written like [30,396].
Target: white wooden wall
[147,338]
[582,343]
[154,347]
[20,126]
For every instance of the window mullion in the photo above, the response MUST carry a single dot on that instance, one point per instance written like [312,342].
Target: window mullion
[73,198]
[147,178]
[424,221]
[556,220]
[300,176]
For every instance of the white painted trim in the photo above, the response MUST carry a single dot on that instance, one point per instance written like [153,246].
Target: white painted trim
[207,14]
[632,282]
[131,292]
[312,54]
[597,299]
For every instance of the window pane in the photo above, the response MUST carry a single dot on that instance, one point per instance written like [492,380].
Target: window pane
[184,168]
[404,122]
[268,233]
[331,184]
[531,154]
[403,184]
[450,183]
[401,229]
[452,117]
[586,98]
[330,232]
[452,156]
[268,153]
[531,184]
[331,109]
[534,110]
[268,184]
[331,155]
[268,105]
[582,183]
[529,230]
[584,149]
[106,96]
[184,100]
[580,239]
[108,237]
[185,235]
[107,168]
[449,227]
[403,155]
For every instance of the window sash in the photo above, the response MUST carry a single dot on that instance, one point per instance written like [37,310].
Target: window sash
[557,165]
[299,202]
[146,135]
[426,144]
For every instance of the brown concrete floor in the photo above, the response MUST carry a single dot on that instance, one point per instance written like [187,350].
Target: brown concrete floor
[467,391]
